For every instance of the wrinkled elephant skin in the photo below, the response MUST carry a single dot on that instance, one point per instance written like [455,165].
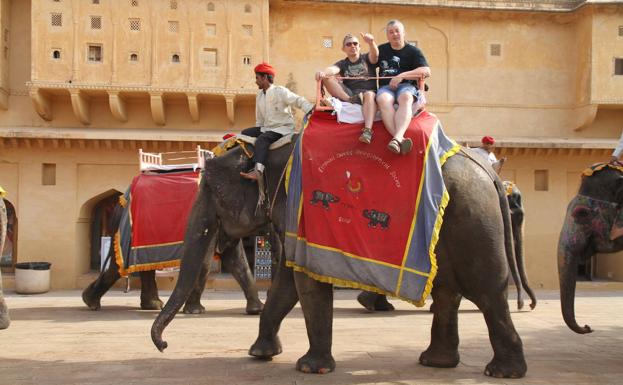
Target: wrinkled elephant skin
[587,230]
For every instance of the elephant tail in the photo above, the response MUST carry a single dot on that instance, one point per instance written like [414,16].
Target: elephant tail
[508,238]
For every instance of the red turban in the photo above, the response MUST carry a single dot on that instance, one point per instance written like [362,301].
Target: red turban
[488,140]
[227,136]
[265,68]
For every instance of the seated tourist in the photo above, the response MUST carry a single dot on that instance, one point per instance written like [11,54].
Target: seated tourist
[273,116]
[405,63]
[360,91]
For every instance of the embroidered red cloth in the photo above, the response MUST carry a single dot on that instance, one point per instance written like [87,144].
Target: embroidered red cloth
[160,205]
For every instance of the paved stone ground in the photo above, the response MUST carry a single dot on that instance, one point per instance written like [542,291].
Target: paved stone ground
[55,339]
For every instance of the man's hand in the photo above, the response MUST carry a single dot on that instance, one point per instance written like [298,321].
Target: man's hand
[321,75]
[395,81]
[367,37]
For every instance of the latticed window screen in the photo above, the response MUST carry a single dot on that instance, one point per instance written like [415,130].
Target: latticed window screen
[173,4]
[57,19]
[495,49]
[327,42]
[211,29]
[95,53]
[247,8]
[247,30]
[174,26]
[96,22]
[210,57]
[135,24]
[210,7]
[134,3]
[95,1]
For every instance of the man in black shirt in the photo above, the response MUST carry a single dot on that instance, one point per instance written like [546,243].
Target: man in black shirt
[360,91]
[406,63]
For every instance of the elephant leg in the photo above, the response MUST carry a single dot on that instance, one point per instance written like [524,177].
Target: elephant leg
[149,291]
[4,310]
[281,299]
[235,260]
[508,359]
[317,304]
[443,349]
[193,303]
[93,293]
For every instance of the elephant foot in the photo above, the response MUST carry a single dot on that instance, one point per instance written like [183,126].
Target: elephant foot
[382,304]
[254,307]
[439,359]
[311,363]
[87,298]
[507,369]
[152,304]
[520,304]
[193,308]
[367,299]
[265,348]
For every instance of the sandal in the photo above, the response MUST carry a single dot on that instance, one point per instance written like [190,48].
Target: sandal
[366,135]
[394,146]
[406,146]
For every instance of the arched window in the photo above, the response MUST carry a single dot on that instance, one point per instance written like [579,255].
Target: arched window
[210,7]
[8,255]
[247,8]
[133,57]
[56,54]
[175,58]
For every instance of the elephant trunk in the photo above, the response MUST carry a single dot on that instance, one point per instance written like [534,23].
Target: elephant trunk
[199,242]
[571,247]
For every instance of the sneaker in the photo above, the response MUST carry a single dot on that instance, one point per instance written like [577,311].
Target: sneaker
[366,135]
[406,146]
[357,98]
[394,146]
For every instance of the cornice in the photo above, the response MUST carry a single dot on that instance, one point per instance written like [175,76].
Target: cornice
[137,88]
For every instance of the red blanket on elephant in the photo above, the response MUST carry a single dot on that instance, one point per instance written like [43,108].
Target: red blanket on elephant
[151,232]
[361,216]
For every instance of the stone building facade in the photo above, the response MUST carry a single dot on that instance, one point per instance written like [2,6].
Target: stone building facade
[85,83]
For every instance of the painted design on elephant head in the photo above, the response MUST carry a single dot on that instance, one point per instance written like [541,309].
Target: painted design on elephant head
[324,197]
[377,218]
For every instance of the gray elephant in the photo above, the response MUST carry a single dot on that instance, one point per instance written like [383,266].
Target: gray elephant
[324,197]
[473,256]
[377,218]
[593,224]
[4,310]
[232,256]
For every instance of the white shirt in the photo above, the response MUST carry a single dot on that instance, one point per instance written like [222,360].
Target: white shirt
[273,110]
[619,150]
[490,156]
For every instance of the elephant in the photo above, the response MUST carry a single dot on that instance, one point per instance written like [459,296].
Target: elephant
[593,224]
[4,310]
[473,257]
[324,197]
[377,218]
[232,256]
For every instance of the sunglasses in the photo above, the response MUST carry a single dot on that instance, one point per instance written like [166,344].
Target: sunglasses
[351,43]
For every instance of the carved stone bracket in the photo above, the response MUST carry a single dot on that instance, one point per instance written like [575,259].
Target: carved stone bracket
[157,108]
[81,105]
[584,116]
[117,106]
[230,103]
[42,103]
[193,106]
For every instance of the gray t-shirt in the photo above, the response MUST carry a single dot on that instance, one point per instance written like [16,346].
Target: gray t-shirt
[362,67]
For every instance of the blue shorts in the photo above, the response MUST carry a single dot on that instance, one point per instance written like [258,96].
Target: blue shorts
[402,88]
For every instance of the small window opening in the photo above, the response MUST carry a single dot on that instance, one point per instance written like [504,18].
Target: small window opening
[173,4]
[495,49]
[246,60]
[210,57]
[48,174]
[135,24]
[134,3]
[247,29]
[57,19]
[95,1]
[96,22]
[247,8]
[618,66]
[620,30]
[210,7]
[95,53]
[175,58]
[56,54]
[211,29]
[174,26]
[133,56]
[327,42]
